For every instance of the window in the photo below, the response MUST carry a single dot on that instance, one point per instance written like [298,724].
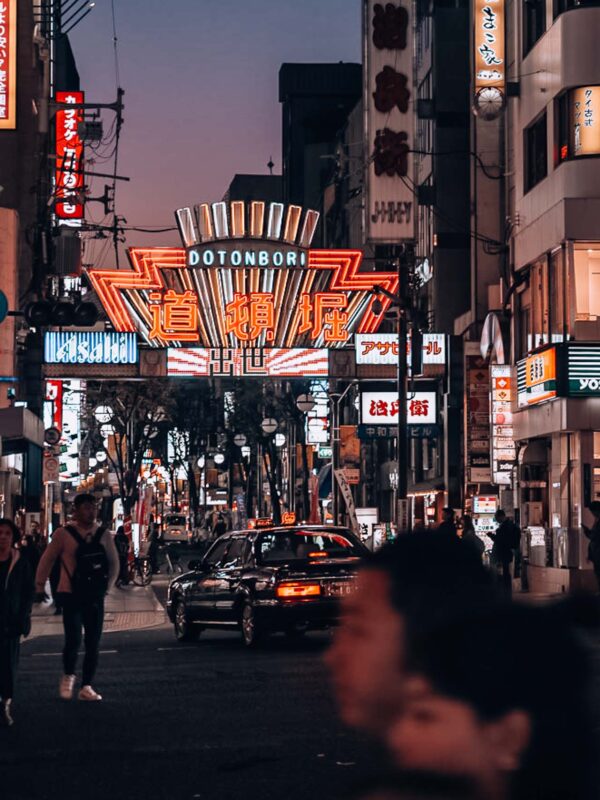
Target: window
[565,5]
[534,22]
[577,115]
[216,552]
[558,295]
[540,311]
[236,555]
[586,269]
[536,152]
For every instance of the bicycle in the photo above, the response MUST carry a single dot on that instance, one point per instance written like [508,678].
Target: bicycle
[140,571]
[173,562]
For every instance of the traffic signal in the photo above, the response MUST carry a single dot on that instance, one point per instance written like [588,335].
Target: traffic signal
[61,313]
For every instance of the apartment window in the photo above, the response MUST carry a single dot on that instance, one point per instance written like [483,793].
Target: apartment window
[565,5]
[523,322]
[586,273]
[540,308]
[558,297]
[577,124]
[534,22]
[536,152]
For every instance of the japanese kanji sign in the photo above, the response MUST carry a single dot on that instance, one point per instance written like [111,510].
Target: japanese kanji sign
[489,58]
[504,453]
[69,158]
[381,408]
[585,115]
[192,362]
[8,64]
[382,348]
[388,90]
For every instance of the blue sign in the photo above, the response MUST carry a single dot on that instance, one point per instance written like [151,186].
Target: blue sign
[90,347]
[3,306]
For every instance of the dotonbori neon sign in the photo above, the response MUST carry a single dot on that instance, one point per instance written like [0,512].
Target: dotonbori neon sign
[246,277]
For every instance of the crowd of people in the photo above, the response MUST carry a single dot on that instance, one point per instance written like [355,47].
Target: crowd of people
[474,695]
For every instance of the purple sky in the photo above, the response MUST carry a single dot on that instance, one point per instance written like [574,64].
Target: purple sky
[200,81]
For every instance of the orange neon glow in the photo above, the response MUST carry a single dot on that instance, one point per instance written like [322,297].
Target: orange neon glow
[318,554]
[174,317]
[298,590]
[249,315]
[288,518]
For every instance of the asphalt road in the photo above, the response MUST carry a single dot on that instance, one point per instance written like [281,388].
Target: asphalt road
[206,720]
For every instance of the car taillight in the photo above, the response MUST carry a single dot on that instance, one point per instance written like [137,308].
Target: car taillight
[289,590]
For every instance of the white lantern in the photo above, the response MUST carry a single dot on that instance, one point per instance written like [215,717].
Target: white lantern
[269,425]
[305,403]
[103,414]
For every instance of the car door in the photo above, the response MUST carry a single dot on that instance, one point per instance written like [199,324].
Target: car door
[227,578]
[201,598]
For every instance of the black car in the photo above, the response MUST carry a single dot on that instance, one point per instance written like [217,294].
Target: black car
[260,581]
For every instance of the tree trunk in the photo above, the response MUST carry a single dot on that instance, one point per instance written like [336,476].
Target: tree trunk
[270,464]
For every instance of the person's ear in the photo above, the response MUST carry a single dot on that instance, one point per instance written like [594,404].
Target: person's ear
[509,737]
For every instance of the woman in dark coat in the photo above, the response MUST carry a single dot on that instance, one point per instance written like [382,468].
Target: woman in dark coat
[16,596]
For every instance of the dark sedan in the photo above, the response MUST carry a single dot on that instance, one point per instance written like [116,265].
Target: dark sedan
[260,581]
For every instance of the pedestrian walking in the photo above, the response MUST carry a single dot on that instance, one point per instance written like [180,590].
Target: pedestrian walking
[153,544]
[506,539]
[220,526]
[469,536]
[593,534]
[30,550]
[16,595]
[122,545]
[89,567]
[448,526]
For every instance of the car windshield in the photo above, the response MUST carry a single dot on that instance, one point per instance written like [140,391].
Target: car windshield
[301,544]
[175,520]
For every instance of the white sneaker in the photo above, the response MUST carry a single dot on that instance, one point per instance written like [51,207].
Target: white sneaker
[87,693]
[65,690]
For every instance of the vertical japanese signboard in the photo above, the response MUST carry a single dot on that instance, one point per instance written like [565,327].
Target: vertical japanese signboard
[69,159]
[537,378]
[489,56]
[388,102]
[8,64]
[585,114]
[477,420]
[503,444]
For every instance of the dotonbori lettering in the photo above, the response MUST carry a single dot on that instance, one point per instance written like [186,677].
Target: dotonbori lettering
[246,258]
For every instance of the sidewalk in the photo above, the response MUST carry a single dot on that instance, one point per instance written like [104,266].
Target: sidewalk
[126,609]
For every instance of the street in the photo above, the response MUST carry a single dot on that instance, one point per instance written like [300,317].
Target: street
[181,721]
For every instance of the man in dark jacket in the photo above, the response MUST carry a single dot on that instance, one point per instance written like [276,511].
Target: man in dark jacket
[505,539]
[16,596]
[593,534]
[448,525]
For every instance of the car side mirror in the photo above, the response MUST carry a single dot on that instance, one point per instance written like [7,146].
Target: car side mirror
[197,565]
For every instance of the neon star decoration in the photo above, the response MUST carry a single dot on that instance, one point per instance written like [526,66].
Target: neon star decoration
[245,278]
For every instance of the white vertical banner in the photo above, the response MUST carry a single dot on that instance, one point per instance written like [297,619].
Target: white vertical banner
[389,103]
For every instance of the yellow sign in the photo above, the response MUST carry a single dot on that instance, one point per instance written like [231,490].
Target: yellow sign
[539,378]
[585,115]
[8,64]
[490,62]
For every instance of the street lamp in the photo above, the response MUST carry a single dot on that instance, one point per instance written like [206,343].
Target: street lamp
[269,425]
[219,458]
[103,414]
[305,403]
[279,439]
[239,439]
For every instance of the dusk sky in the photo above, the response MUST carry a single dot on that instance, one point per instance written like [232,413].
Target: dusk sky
[201,93]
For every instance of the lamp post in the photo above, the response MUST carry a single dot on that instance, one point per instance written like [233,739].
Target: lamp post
[336,399]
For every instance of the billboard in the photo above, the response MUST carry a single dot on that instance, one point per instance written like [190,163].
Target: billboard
[583,370]
[8,64]
[489,55]
[381,408]
[90,347]
[69,159]
[504,453]
[585,120]
[389,105]
[537,378]
[382,348]
[232,292]
[235,362]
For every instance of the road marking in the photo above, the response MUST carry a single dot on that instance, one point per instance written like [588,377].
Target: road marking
[81,653]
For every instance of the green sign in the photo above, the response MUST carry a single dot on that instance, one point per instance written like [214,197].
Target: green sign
[325,451]
[3,306]
[583,370]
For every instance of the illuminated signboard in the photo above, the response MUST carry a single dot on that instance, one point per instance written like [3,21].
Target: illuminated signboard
[382,348]
[389,104]
[504,453]
[583,370]
[246,278]
[381,408]
[53,404]
[190,362]
[490,61]
[69,159]
[536,378]
[8,64]
[90,347]
[585,120]
[485,504]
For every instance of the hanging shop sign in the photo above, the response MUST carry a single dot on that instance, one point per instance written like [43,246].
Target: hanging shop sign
[388,102]
[382,348]
[485,504]
[53,405]
[90,347]
[583,370]
[585,120]
[490,64]
[477,420]
[381,408]
[8,64]
[537,378]
[246,278]
[237,362]
[69,159]
[503,450]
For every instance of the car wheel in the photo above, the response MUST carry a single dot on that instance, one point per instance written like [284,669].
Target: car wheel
[184,630]
[252,633]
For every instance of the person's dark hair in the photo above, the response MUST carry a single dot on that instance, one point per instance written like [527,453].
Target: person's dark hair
[432,575]
[594,507]
[500,514]
[448,510]
[120,530]
[84,497]
[16,533]
[467,521]
[507,657]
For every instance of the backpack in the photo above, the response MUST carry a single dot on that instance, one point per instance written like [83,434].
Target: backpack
[89,582]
